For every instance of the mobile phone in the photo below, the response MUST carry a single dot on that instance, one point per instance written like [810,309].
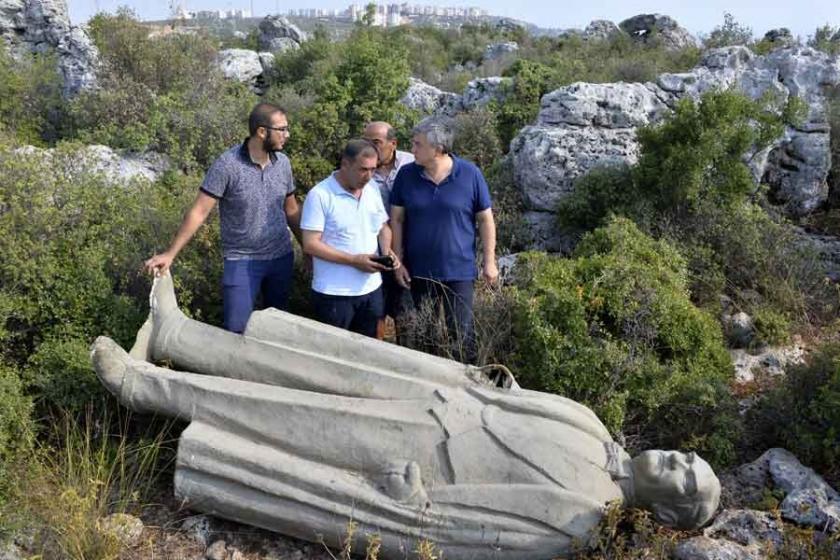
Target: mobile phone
[385,260]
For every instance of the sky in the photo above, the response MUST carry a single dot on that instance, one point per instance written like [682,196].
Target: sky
[802,17]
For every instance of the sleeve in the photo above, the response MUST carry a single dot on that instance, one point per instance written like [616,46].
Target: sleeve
[398,190]
[313,217]
[216,181]
[481,200]
[379,208]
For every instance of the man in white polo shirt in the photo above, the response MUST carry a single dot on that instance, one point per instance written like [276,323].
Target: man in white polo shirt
[344,224]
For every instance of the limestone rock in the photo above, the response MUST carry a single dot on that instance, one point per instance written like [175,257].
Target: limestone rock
[481,91]
[116,167]
[279,34]
[584,126]
[216,551]
[600,30]
[827,249]
[242,65]
[127,528]
[645,26]
[739,329]
[428,99]
[495,51]
[200,528]
[40,26]
[747,527]
[8,550]
[808,499]
[772,361]
[579,128]
[704,548]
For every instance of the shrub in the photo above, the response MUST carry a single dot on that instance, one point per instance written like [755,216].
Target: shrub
[16,427]
[802,414]
[476,138]
[73,247]
[522,102]
[163,94]
[613,327]
[30,97]
[729,33]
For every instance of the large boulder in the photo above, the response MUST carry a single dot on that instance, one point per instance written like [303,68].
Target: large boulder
[482,91]
[495,51]
[583,126]
[41,26]
[117,168]
[600,30]
[278,34]
[428,99]
[245,66]
[647,27]
[579,128]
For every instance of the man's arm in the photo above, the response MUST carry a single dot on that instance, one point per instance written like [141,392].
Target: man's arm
[385,245]
[315,246]
[487,233]
[292,210]
[397,220]
[193,220]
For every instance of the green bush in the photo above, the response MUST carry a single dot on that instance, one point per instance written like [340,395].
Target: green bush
[476,138]
[73,251]
[613,327]
[531,80]
[802,414]
[729,33]
[30,98]
[16,427]
[163,94]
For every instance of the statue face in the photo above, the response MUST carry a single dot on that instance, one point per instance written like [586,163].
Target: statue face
[675,486]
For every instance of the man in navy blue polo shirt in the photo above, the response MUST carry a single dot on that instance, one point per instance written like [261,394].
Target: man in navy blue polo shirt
[254,188]
[437,204]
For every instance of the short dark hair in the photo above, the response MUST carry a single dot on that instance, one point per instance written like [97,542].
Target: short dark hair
[358,147]
[261,116]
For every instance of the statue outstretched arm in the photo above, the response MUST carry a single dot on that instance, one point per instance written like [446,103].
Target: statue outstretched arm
[283,349]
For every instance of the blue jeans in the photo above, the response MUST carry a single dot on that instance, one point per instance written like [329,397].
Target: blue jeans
[244,279]
[355,313]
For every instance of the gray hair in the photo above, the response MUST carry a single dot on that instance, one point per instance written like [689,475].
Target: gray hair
[439,131]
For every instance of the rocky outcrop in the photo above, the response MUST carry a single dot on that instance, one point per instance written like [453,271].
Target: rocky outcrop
[583,126]
[495,51]
[278,34]
[664,29]
[115,167]
[806,499]
[246,66]
[482,91]
[600,30]
[41,26]
[579,128]
[428,99]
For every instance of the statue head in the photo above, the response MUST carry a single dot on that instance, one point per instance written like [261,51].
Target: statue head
[681,489]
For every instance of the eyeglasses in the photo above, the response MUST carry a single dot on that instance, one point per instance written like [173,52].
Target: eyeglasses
[280,128]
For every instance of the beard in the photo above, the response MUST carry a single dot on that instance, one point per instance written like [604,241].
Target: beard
[268,145]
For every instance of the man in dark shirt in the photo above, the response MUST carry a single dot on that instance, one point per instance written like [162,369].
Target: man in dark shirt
[254,187]
[436,205]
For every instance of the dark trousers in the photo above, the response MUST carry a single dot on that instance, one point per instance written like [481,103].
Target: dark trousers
[355,313]
[243,280]
[396,297]
[457,300]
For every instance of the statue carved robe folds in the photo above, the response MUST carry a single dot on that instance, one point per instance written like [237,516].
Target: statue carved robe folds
[299,427]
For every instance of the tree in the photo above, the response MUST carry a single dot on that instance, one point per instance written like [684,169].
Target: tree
[730,33]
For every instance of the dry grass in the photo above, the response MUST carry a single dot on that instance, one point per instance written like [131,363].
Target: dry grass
[66,489]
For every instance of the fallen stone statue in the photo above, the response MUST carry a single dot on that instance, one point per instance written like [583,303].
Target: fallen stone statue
[299,427]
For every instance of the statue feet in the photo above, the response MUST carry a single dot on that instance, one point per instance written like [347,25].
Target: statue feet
[111,364]
[163,305]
